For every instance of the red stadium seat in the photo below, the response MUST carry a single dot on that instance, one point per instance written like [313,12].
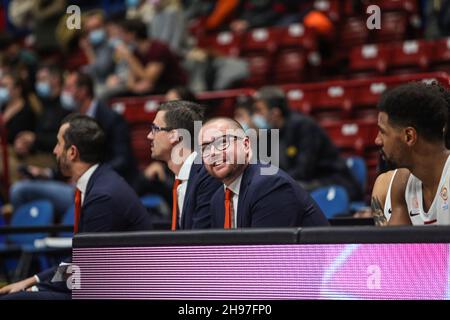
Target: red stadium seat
[259,66]
[355,137]
[330,7]
[298,98]
[353,32]
[441,55]
[297,36]
[372,58]
[227,43]
[394,27]
[289,66]
[396,5]
[262,41]
[415,55]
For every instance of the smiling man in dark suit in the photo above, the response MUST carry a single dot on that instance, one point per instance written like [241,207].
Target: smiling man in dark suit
[193,186]
[103,200]
[253,195]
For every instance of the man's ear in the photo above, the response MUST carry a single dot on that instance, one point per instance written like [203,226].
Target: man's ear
[175,137]
[410,136]
[72,153]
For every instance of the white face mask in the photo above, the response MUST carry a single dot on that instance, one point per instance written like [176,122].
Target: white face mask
[4,95]
[67,101]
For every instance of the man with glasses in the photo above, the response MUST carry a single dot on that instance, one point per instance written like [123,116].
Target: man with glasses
[253,195]
[172,141]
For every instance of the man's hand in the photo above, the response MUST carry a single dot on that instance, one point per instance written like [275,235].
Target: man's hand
[18,286]
[155,171]
[24,142]
[122,52]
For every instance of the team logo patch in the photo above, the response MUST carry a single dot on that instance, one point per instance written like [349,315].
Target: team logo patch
[444,193]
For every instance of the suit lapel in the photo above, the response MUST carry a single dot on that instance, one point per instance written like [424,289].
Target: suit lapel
[246,180]
[193,177]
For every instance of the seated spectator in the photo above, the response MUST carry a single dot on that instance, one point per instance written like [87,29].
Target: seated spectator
[97,49]
[35,147]
[153,68]
[16,115]
[306,152]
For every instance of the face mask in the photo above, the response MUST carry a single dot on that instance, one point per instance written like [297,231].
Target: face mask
[132,3]
[4,95]
[97,36]
[114,42]
[67,101]
[260,122]
[43,89]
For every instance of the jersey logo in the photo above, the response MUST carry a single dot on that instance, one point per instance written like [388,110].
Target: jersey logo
[411,214]
[444,193]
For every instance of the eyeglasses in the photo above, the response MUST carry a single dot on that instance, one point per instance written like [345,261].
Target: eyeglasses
[219,143]
[155,129]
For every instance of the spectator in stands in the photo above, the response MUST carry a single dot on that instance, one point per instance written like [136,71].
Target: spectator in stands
[17,60]
[165,21]
[153,67]
[16,112]
[193,186]
[78,95]
[97,49]
[243,112]
[257,14]
[252,195]
[103,201]
[306,151]
[36,146]
[413,121]
[436,15]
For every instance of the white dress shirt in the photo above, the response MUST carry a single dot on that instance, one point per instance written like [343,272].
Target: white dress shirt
[235,186]
[84,180]
[183,175]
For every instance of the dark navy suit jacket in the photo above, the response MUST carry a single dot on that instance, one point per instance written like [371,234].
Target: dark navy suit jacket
[200,189]
[269,201]
[109,205]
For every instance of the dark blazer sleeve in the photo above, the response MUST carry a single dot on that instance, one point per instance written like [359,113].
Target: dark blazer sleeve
[207,187]
[47,275]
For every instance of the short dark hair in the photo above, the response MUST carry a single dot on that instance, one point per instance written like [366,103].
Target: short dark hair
[274,97]
[181,114]
[85,81]
[184,93]
[86,134]
[136,27]
[419,105]
[53,70]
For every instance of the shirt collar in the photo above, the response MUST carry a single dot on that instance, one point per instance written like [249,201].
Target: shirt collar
[92,109]
[84,179]
[185,169]
[235,186]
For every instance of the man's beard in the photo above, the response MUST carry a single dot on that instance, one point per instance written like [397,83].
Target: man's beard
[63,169]
[390,163]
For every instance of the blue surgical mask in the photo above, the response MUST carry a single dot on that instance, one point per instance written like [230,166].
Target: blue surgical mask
[132,3]
[97,36]
[43,89]
[4,95]
[67,101]
[260,122]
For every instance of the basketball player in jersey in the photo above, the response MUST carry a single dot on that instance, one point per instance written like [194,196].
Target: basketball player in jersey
[412,128]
